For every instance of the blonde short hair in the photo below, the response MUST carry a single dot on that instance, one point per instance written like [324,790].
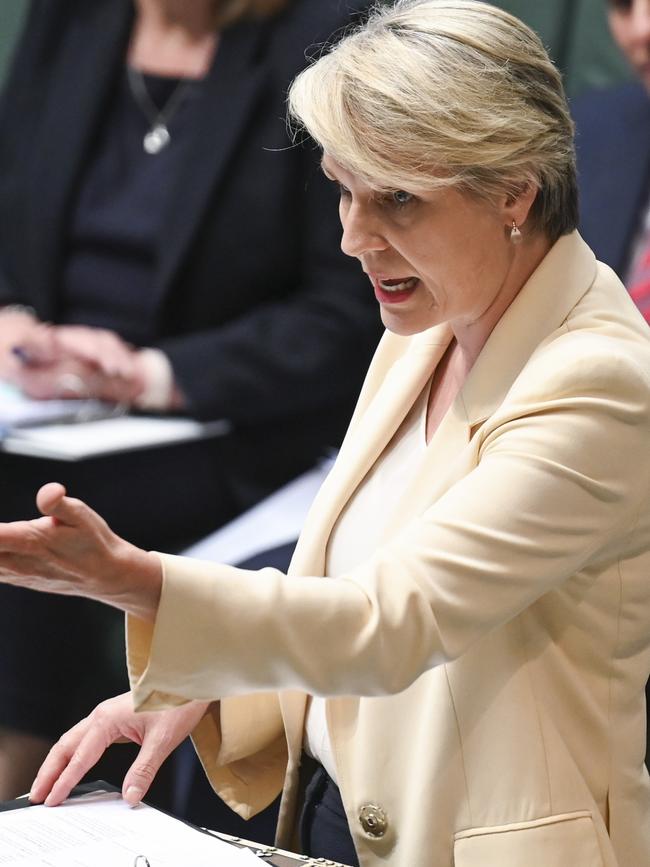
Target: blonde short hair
[431,93]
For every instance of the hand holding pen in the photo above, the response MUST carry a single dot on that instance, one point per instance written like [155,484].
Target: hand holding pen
[74,361]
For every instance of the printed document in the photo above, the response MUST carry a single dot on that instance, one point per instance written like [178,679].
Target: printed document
[101,830]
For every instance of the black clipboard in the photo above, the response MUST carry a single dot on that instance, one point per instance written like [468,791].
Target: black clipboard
[82,789]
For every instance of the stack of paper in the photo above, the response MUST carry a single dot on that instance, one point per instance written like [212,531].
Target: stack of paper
[100,830]
[72,442]
[17,410]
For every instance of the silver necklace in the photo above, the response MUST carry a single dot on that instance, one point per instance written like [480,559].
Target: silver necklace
[158,136]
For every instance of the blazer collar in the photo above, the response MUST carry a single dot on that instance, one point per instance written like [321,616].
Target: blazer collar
[402,383]
[542,305]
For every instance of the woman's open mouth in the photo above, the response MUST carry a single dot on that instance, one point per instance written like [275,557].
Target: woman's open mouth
[395,289]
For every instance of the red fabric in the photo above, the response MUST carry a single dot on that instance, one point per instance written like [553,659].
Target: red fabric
[639,284]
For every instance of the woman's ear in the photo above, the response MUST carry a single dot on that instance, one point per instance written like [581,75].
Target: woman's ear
[519,202]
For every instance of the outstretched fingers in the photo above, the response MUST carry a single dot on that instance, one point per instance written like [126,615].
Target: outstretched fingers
[158,733]
[67,763]
[80,748]
[55,552]
[20,537]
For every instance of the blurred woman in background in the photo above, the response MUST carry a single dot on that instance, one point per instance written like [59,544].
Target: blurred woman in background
[162,245]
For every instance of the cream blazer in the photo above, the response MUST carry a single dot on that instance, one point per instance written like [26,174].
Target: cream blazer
[485,669]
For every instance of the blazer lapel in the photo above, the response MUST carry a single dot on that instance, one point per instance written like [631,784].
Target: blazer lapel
[400,388]
[233,87]
[539,309]
[402,384]
[77,103]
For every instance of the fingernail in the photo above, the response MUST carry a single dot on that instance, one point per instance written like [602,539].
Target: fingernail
[31,795]
[133,796]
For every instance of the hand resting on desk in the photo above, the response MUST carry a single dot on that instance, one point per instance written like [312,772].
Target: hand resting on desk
[72,551]
[114,721]
[68,361]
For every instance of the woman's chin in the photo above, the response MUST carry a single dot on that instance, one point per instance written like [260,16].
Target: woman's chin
[405,325]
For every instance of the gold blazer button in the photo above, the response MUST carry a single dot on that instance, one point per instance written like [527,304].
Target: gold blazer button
[373,820]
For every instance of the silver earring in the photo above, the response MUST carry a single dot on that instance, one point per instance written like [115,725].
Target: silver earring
[515,234]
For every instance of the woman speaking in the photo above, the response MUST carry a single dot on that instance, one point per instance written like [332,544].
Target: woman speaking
[458,655]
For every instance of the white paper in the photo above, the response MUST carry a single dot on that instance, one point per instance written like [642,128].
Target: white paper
[101,830]
[275,521]
[16,409]
[84,439]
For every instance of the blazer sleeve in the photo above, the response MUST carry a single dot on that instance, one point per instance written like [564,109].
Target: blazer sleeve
[240,740]
[548,497]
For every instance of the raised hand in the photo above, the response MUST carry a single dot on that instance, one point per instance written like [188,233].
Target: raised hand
[114,721]
[72,551]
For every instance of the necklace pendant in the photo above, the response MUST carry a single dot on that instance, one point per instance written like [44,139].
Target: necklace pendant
[156,139]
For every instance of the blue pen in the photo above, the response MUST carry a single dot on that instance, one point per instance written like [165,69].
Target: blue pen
[22,355]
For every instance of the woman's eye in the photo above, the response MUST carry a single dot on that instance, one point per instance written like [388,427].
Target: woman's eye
[401,198]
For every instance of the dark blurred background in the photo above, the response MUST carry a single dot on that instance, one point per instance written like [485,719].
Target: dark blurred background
[574,31]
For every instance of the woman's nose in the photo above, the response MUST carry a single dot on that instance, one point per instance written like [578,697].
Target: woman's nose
[361,233]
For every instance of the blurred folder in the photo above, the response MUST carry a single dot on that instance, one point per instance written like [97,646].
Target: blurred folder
[76,441]
[16,410]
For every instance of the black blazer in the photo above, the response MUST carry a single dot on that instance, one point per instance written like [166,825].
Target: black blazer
[613,151]
[264,320]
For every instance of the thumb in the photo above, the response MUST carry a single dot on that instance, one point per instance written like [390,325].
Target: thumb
[53,502]
[142,772]
[49,498]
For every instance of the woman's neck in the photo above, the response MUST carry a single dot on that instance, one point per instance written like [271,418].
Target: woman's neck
[174,37]
[471,338]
